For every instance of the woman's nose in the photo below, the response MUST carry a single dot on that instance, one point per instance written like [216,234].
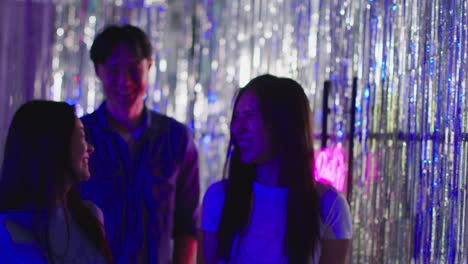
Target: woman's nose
[237,127]
[90,148]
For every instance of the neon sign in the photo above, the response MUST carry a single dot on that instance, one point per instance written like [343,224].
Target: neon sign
[331,167]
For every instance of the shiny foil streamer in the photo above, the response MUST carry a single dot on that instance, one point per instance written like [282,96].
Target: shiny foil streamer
[409,182]
[25,55]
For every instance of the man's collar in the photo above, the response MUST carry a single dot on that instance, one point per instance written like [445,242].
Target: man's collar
[103,120]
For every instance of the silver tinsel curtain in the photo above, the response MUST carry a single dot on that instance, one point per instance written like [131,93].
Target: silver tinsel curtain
[408,58]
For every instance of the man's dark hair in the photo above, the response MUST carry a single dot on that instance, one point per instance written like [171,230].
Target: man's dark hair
[107,40]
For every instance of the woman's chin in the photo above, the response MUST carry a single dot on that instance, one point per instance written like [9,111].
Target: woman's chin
[85,177]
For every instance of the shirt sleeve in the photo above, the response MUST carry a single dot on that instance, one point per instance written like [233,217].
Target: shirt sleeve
[187,192]
[6,246]
[213,207]
[336,217]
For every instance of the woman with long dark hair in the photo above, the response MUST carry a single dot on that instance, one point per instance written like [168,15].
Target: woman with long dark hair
[270,209]
[42,217]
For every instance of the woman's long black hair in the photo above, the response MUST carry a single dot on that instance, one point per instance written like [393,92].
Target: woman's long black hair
[35,164]
[285,110]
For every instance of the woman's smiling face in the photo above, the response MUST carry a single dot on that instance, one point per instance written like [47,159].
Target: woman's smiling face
[248,131]
[80,152]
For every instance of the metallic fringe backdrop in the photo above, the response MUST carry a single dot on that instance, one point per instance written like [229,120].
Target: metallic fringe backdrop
[409,57]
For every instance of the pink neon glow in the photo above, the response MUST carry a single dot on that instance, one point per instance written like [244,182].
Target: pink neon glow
[331,167]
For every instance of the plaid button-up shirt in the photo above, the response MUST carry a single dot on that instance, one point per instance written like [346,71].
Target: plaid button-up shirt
[147,195]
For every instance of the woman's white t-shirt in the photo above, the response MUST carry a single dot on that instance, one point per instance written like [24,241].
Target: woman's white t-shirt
[262,241]
[18,244]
